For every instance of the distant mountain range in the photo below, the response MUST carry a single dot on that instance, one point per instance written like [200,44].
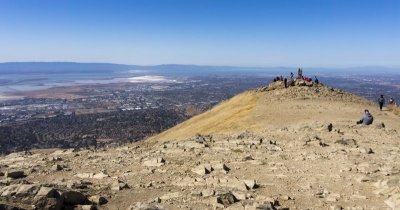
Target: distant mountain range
[73,67]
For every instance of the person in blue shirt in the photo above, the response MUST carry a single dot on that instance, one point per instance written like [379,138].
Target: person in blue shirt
[316,80]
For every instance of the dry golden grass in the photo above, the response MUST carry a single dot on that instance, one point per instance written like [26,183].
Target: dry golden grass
[258,111]
[225,117]
[394,109]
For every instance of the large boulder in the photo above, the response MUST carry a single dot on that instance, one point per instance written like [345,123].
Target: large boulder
[74,198]
[48,199]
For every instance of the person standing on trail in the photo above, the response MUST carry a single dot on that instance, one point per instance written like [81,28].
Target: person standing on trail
[367,119]
[285,82]
[381,101]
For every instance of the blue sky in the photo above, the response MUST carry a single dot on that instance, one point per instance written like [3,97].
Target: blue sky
[312,33]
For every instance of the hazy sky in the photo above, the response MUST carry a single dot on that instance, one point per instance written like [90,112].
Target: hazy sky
[313,33]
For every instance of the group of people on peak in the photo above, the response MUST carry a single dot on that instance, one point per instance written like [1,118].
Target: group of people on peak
[299,77]
[366,119]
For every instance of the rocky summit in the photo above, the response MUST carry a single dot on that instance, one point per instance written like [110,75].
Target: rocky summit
[271,148]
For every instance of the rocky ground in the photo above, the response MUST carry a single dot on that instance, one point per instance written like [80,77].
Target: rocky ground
[315,163]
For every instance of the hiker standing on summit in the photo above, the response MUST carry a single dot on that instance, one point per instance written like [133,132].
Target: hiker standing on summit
[381,101]
[300,73]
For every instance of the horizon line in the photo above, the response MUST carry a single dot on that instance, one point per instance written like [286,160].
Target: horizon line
[206,65]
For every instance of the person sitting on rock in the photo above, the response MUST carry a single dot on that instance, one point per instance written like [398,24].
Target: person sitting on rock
[367,119]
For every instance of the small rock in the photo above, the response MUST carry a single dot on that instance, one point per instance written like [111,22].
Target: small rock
[196,193]
[98,200]
[84,175]
[100,175]
[1,173]
[16,174]
[285,197]
[237,184]
[336,207]
[154,162]
[247,157]
[207,192]
[363,179]
[347,142]
[218,166]
[266,206]
[56,167]
[85,207]
[250,184]
[144,206]
[240,196]
[56,159]
[118,185]
[27,189]
[380,125]
[333,197]
[170,196]
[330,127]
[203,169]
[157,200]
[47,192]
[394,201]
[366,150]
[227,199]
[81,184]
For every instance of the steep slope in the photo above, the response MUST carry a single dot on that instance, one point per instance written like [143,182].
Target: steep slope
[273,107]
[271,148]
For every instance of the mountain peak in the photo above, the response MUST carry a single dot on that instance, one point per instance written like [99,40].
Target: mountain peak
[273,106]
